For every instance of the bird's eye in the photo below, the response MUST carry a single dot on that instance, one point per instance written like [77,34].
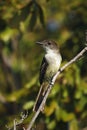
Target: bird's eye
[49,43]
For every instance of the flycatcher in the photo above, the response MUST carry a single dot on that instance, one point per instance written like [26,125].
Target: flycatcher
[49,67]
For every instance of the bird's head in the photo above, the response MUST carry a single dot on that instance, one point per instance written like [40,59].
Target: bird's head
[48,45]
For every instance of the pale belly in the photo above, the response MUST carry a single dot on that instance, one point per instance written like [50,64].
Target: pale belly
[54,61]
[51,71]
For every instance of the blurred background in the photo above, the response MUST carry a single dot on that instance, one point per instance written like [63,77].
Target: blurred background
[22,23]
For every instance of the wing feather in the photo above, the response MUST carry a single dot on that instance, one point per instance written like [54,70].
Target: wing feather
[43,69]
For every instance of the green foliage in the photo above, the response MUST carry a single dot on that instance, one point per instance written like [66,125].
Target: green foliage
[22,23]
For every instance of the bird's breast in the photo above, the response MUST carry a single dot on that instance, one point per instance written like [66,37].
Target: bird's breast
[54,61]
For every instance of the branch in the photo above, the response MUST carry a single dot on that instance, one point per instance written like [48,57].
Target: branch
[17,123]
[79,55]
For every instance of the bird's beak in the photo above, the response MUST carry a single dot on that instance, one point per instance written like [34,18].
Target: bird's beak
[39,43]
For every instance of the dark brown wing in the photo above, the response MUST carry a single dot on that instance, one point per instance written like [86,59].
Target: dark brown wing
[43,69]
[40,96]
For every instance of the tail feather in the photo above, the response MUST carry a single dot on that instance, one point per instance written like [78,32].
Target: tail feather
[40,97]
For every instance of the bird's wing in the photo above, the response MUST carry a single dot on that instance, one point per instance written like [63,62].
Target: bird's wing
[43,69]
[41,93]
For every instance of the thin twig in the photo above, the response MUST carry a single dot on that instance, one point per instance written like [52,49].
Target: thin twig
[23,117]
[17,123]
[14,124]
[80,54]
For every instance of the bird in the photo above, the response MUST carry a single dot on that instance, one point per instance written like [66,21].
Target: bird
[49,66]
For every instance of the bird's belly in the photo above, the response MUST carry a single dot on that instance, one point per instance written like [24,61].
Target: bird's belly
[54,62]
[51,71]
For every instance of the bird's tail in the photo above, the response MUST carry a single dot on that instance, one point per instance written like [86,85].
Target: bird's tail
[40,96]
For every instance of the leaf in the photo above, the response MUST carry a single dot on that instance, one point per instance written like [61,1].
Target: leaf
[26,10]
[61,114]
[73,125]
[33,20]
[78,94]
[81,104]
[28,105]
[50,109]
[16,95]
[51,125]
[20,15]
[41,15]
